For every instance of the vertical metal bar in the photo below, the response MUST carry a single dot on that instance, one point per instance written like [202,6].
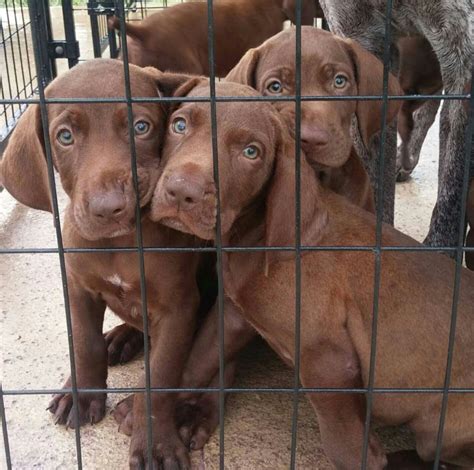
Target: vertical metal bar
[143,292]
[36,25]
[378,235]
[220,282]
[457,275]
[9,84]
[17,32]
[69,27]
[94,29]
[296,395]
[49,36]
[112,42]
[6,444]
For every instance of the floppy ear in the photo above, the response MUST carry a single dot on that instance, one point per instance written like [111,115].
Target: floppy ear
[369,73]
[244,71]
[280,227]
[309,11]
[23,169]
[173,84]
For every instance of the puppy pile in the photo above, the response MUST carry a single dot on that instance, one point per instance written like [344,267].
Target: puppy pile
[257,178]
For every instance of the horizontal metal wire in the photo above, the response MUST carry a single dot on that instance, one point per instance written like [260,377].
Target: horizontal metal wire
[227,99]
[234,249]
[362,390]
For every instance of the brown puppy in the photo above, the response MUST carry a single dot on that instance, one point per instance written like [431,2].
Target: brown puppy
[330,66]
[175,38]
[90,150]
[419,73]
[257,183]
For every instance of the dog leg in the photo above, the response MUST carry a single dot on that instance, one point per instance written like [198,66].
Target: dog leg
[333,363]
[170,339]
[90,355]
[409,150]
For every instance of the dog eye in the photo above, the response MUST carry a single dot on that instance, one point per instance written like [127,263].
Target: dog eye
[179,126]
[340,81]
[65,137]
[141,127]
[251,152]
[275,87]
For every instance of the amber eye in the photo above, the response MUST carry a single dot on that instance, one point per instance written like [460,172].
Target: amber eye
[340,81]
[141,127]
[275,87]
[65,137]
[251,152]
[179,126]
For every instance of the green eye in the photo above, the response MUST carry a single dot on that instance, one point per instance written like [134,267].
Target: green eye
[65,137]
[275,87]
[251,152]
[340,81]
[141,127]
[179,126]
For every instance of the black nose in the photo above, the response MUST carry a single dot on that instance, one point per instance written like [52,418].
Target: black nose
[183,192]
[107,205]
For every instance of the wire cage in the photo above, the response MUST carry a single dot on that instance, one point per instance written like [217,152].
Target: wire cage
[31,59]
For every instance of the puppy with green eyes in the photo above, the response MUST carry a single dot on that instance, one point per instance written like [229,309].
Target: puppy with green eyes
[90,149]
[330,66]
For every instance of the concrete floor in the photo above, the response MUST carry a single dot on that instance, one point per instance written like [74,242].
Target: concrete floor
[35,356]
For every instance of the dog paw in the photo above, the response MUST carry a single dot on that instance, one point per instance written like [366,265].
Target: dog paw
[123,343]
[168,453]
[198,419]
[123,414]
[91,409]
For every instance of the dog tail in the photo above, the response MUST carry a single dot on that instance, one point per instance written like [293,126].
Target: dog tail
[133,30]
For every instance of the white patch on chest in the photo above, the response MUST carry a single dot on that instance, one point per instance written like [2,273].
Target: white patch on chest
[116,280]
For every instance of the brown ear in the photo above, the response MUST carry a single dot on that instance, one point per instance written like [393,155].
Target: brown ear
[369,73]
[244,71]
[173,84]
[280,205]
[309,11]
[23,169]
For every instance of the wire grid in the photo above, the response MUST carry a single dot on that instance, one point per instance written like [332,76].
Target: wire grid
[298,249]
[18,79]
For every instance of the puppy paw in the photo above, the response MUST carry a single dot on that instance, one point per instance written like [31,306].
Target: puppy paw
[123,343]
[123,414]
[168,453]
[198,419]
[91,409]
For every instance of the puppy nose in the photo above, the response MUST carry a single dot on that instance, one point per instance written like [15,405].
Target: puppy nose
[183,191]
[313,136]
[107,205]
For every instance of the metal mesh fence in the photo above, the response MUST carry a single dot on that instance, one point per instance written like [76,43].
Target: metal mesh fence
[19,86]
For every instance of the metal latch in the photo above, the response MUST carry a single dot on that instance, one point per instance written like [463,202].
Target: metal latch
[63,50]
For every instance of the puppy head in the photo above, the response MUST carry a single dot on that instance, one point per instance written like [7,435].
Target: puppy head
[90,145]
[255,163]
[331,66]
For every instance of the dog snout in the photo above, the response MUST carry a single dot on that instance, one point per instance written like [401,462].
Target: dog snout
[183,192]
[312,135]
[108,205]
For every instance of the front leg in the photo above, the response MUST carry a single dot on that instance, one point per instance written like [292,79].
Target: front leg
[90,354]
[332,362]
[170,339]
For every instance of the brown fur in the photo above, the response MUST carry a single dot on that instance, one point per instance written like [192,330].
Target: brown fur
[258,203]
[175,38]
[95,172]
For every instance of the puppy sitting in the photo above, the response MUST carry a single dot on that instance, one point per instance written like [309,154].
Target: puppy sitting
[257,196]
[90,146]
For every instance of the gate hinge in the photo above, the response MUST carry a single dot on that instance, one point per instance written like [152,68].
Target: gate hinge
[63,50]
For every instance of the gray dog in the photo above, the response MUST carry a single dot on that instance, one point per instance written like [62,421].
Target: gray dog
[446,25]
